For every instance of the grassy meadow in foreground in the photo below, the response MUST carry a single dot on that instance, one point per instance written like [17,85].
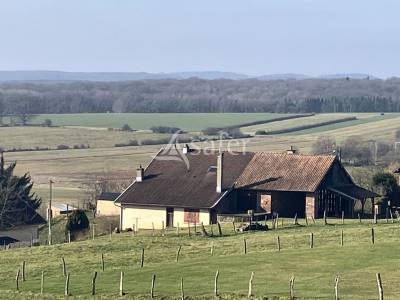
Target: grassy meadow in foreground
[314,269]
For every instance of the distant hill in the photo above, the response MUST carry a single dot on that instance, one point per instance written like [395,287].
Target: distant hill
[132,76]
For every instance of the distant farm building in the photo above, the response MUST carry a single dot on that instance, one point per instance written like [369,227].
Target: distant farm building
[58,209]
[105,204]
[184,186]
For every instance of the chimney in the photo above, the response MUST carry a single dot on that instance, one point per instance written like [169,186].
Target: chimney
[292,150]
[139,174]
[220,163]
[186,149]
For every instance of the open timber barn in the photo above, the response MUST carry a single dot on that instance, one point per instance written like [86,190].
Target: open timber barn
[183,186]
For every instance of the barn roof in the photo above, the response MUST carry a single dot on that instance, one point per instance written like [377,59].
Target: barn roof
[188,181]
[353,191]
[285,172]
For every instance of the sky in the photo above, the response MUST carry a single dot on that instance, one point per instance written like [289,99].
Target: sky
[246,36]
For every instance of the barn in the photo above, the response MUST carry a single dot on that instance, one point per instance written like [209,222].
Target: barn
[183,186]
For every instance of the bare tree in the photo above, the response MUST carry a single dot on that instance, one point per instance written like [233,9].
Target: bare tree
[324,145]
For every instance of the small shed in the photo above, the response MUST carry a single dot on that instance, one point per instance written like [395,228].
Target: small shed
[105,204]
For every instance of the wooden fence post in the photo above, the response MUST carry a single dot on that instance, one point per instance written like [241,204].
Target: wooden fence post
[212,248]
[380,288]
[245,245]
[152,227]
[216,284]
[69,236]
[182,291]
[153,282]
[295,222]
[219,229]
[359,218]
[311,240]
[250,292]
[313,220]
[306,221]
[342,217]
[391,215]
[162,228]
[188,225]
[325,221]
[278,242]
[102,262]
[203,230]
[110,232]
[17,279]
[342,238]
[291,286]
[177,229]
[23,270]
[277,221]
[93,230]
[64,267]
[42,283]
[66,289]
[121,284]
[372,236]
[337,287]
[142,258]
[375,218]
[178,252]
[94,283]
[234,227]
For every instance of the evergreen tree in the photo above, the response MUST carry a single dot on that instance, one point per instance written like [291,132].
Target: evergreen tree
[17,202]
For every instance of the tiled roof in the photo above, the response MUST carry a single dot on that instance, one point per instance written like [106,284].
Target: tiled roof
[168,181]
[108,196]
[285,172]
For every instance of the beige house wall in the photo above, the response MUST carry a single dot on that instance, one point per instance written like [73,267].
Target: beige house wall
[179,217]
[145,216]
[107,208]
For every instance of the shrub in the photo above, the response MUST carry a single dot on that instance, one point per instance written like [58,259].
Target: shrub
[126,127]
[77,220]
[62,147]
[165,129]
[47,123]
[261,132]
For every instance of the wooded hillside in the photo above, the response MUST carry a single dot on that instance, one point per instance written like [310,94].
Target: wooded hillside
[197,95]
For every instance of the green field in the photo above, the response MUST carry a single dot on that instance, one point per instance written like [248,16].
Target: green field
[314,269]
[184,121]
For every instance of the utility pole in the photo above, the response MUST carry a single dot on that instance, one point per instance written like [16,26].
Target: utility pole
[49,212]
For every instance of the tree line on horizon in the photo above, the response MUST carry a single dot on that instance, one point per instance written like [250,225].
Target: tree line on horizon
[201,96]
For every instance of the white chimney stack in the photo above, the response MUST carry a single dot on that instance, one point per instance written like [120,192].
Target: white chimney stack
[139,174]
[220,163]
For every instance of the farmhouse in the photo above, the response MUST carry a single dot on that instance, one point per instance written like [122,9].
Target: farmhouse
[195,186]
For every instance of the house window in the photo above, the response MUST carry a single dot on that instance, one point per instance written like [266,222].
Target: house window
[191,215]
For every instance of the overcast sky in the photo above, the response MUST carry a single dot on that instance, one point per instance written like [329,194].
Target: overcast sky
[247,36]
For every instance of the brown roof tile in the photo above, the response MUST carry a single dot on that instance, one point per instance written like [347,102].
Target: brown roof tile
[285,172]
[170,183]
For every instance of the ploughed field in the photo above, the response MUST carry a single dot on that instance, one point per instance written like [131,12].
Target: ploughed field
[314,270]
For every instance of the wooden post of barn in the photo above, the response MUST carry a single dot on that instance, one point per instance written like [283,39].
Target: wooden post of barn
[23,270]
[278,242]
[234,227]
[182,290]
[250,292]
[102,262]
[153,283]
[245,245]
[142,258]
[219,229]
[311,240]
[216,284]
[178,252]
[325,221]
[342,217]
[64,267]
[42,283]
[380,288]
[94,283]
[121,284]
[291,287]
[17,279]
[372,236]
[66,289]
[337,287]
